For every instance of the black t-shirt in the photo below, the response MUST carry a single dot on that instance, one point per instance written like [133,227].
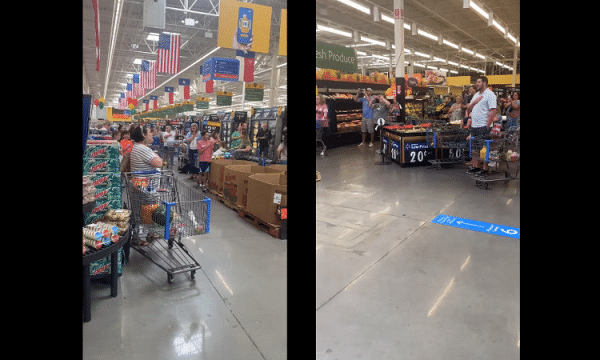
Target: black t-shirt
[263,143]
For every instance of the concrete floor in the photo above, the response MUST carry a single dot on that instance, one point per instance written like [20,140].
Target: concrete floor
[393,285]
[234,309]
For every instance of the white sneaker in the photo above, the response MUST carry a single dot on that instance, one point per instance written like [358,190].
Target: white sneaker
[370,144]
[361,144]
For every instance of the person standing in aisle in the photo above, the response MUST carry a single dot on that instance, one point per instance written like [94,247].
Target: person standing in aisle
[381,108]
[483,113]
[513,110]
[205,150]
[142,157]
[236,137]
[466,102]
[322,120]
[456,110]
[244,148]
[367,115]
[192,139]
[126,143]
[282,152]
[216,140]
[263,136]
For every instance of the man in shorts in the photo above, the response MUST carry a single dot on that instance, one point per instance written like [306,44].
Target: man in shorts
[483,112]
[367,118]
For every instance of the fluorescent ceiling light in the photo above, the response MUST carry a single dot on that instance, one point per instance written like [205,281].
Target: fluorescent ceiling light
[387,18]
[137,61]
[372,41]
[480,56]
[432,67]
[450,44]
[479,10]
[438,59]
[453,72]
[442,69]
[152,37]
[357,45]
[421,54]
[357,6]
[361,53]
[452,63]
[512,38]
[419,65]
[467,51]
[498,26]
[463,66]
[334,31]
[426,34]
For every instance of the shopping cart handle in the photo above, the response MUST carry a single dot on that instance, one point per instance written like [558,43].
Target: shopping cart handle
[146,172]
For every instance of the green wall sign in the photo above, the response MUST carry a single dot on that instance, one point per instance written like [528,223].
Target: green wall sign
[336,57]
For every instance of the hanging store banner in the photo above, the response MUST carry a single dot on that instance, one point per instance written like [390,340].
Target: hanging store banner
[283,33]
[435,77]
[329,56]
[244,26]
[202,103]
[254,92]
[224,98]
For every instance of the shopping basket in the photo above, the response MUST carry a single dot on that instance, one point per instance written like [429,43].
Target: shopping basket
[165,210]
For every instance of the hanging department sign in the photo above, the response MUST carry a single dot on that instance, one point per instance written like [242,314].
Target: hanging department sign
[329,56]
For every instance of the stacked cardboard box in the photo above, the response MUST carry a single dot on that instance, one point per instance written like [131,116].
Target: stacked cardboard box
[217,172]
[235,182]
[266,193]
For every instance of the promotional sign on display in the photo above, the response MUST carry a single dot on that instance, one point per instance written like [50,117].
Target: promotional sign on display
[330,56]
[244,26]
[435,77]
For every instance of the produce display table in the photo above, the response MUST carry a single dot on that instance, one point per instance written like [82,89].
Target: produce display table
[407,146]
[92,255]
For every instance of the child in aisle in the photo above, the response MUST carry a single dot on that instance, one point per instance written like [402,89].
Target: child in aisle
[126,143]
[205,150]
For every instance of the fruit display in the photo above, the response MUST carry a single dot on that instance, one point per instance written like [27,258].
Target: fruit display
[408,128]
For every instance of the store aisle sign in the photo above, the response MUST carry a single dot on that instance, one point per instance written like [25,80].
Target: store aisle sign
[329,56]
[468,224]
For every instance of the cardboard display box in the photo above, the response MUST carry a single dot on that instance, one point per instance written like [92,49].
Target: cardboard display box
[235,181]
[266,192]
[216,173]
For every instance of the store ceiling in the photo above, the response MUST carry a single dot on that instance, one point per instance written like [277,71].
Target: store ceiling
[447,18]
[131,44]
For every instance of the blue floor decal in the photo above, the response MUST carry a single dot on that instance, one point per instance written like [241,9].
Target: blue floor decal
[480,226]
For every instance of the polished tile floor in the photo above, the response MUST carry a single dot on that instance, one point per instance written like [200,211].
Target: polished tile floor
[393,285]
[234,309]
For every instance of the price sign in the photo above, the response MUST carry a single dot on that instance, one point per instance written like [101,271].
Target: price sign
[417,153]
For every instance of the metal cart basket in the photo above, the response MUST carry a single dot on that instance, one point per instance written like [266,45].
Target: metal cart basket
[502,156]
[448,137]
[164,210]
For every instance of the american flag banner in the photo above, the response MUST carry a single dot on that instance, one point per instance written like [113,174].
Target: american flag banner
[148,74]
[129,93]
[169,90]
[97,28]
[138,91]
[184,88]
[246,59]
[154,99]
[168,53]
[122,102]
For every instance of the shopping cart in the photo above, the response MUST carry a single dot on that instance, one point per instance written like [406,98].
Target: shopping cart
[164,211]
[448,137]
[502,156]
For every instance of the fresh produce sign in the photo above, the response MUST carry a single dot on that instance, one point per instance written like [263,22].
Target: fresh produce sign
[329,56]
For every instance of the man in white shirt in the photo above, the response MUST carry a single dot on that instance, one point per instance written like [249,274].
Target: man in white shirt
[483,112]
[169,136]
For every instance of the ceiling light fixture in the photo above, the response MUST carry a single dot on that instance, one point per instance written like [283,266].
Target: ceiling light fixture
[334,31]
[357,6]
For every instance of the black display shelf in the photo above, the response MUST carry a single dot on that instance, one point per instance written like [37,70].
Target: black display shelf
[92,255]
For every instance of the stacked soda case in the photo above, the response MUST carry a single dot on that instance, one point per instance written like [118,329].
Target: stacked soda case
[101,167]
